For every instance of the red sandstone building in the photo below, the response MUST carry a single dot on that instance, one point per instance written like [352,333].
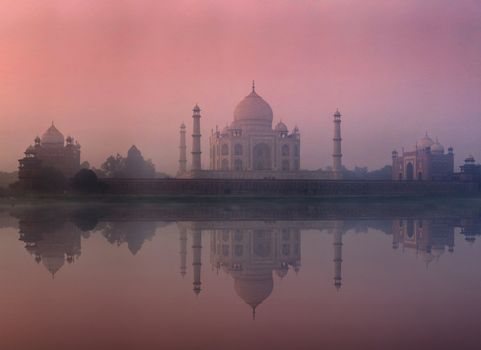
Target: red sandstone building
[427,161]
[52,150]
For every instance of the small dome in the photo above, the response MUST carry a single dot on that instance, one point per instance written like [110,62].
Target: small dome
[182,126]
[254,110]
[53,137]
[425,142]
[437,148]
[281,127]
[470,159]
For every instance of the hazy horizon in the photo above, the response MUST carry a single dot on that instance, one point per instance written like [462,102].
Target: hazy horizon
[117,73]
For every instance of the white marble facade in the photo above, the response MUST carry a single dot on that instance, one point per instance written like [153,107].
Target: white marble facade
[250,147]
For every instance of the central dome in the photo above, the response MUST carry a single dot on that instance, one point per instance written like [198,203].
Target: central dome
[254,110]
[254,289]
[53,137]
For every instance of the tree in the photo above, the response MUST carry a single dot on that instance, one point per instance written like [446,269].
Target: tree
[385,173]
[87,181]
[133,166]
[113,166]
[362,173]
[136,166]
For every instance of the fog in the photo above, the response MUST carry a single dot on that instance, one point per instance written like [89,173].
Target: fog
[116,73]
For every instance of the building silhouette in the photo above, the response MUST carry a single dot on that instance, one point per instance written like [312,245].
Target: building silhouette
[51,150]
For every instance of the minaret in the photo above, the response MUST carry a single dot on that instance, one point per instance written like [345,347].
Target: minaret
[183,250]
[183,151]
[196,162]
[336,154]
[337,257]
[197,263]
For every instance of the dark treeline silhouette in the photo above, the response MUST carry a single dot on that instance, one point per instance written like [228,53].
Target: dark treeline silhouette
[86,181]
[51,180]
[362,173]
[132,166]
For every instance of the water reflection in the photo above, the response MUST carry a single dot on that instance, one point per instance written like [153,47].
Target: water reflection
[198,261]
[250,251]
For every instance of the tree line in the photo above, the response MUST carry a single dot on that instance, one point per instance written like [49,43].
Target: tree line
[88,180]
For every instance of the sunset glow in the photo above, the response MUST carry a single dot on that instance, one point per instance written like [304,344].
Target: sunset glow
[116,73]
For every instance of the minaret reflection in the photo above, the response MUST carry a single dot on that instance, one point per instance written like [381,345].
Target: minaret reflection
[337,256]
[183,250]
[197,256]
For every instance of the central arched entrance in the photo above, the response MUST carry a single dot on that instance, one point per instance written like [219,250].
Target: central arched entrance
[409,171]
[261,157]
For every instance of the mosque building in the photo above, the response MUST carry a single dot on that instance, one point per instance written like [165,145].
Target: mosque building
[51,150]
[427,161]
[251,148]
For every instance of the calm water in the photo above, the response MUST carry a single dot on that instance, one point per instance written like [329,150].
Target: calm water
[241,276]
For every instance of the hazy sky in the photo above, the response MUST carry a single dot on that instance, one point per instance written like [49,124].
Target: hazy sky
[114,73]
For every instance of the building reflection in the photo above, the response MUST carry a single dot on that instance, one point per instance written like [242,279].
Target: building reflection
[131,233]
[51,241]
[251,252]
[251,256]
[428,238]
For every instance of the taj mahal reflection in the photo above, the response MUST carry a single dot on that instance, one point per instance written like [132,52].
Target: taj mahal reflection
[254,253]
[251,256]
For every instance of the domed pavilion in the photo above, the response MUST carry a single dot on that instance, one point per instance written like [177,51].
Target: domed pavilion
[253,146]
[250,143]
[50,150]
[426,161]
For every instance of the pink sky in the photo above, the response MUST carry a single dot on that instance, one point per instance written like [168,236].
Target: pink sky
[114,73]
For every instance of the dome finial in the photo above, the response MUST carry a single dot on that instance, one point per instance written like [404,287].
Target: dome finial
[253,86]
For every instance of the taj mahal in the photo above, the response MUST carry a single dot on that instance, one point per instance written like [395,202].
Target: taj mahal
[251,148]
